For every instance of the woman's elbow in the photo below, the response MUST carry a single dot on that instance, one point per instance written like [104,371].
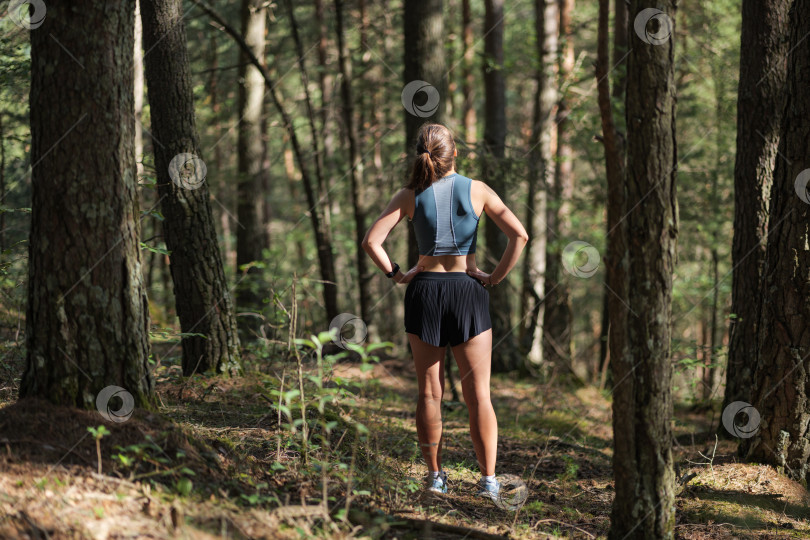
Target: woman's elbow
[521,237]
[367,244]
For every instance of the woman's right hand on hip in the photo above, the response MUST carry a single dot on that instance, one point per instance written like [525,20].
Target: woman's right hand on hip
[408,276]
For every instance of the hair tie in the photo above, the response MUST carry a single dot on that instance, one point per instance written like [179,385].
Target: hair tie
[428,153]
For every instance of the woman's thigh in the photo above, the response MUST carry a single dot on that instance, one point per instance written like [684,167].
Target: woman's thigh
[474,359]
[429,362]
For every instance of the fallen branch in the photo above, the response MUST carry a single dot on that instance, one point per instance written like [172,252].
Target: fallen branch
[564,524]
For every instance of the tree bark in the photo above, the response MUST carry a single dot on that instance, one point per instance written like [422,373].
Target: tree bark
[355,169]
[424,60]
[614,158]
[557,319]
[760,102]
[468,78]
[138,82]
[251,234]
[507,357]
[781,388]
[87,320]
[493,168]
[325,85]
[617,64]
[643,507]
[540,177]
[202,297]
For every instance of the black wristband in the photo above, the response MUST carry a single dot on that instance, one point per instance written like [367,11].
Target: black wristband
[393,272]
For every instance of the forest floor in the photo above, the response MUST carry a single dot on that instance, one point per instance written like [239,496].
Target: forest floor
[226,458]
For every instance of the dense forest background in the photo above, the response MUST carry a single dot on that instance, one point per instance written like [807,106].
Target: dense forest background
[706,64]
[184,187]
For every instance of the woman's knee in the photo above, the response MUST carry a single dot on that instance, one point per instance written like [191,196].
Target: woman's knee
[476,397]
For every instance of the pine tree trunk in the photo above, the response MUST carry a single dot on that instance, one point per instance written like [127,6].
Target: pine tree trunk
[325,85]
[424,60]
[643,507]
[202,297]
[558,318]
[468,78]
[760,102]
[506,356]
[355,169]
[251,234]
[540,177]
[781,388]
[87,321]
[615,286]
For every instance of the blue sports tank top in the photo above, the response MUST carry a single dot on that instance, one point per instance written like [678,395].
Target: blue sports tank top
[444,219]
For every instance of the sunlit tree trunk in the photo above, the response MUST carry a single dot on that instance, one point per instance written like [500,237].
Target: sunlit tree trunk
[540,177]
[251,234]
[557,319]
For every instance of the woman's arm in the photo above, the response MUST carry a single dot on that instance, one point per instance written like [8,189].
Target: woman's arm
[506,221]
[376,235]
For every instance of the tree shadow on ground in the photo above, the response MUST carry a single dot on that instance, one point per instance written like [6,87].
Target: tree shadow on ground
[747,510]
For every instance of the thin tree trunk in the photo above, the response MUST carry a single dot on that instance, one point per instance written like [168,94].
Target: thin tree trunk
[202,298]
[468,77]
[424,60]
[216,108]
[643,507]
[2,183]
[325,85]
[147,196]
[355,169]
[760,101]
[87,320]
[320,228]
[506,356]
[616,263]
[617,68]
[540,177]
[251,233]
[781,389]
[617,64]
[558,318]
[138,81]
[711,366]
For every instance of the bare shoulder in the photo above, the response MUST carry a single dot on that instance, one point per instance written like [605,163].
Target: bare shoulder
[403,194]
[482,192]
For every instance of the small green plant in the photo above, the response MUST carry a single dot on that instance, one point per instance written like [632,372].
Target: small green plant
[571,469]
[183,486]
[97,434]
[534,507]
[149,455]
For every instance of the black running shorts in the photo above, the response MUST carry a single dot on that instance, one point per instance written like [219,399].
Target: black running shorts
[446,307]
